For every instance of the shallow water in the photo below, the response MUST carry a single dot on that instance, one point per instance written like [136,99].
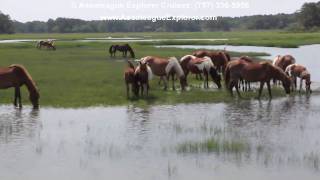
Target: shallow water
[308,55]
[279,140]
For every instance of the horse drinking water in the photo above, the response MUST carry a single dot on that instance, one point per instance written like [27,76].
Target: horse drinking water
[297,70]
[261,72]
[16,76]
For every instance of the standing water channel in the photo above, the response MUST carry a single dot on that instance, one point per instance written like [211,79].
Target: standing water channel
[251,139]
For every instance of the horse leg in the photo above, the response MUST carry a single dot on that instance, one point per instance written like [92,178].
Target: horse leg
[159,82]
[260,90]
[127,87]
[165,82]
[17,97]
[269,89]
[237,89]
[300,85]
[173,79]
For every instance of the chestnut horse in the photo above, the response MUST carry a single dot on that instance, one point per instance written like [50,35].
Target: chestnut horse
[122,48]
[164,67]
[203,65]
[283,62]
[142,75]
[261,72]
[245,84]
[16,76]
[130,80]
[297,70]
[49,44]
[219,59]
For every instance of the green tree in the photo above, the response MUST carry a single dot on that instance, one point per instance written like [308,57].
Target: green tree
[6,25]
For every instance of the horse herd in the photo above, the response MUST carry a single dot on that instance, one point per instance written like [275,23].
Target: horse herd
[217,65]
[213,64]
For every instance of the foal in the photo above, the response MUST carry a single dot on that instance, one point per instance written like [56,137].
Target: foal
[297,70]
[130,80]
[143,74]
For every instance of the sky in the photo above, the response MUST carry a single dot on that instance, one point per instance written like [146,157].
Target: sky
[29,10]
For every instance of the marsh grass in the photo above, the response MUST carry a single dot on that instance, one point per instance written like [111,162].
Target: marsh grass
[213,145]
[81,74]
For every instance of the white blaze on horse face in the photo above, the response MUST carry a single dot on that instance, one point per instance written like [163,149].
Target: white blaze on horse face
[275,60]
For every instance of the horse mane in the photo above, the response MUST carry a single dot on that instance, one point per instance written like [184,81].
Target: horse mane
[174,63]
[130,50]
[29,79]
[186,57]
[110,49]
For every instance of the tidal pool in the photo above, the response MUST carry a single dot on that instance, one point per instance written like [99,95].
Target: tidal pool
[276,139]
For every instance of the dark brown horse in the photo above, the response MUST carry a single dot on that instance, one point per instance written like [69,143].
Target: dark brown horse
[164,67]
[122,48]
[16,76]
[203,65]
[261,72]
[298,71]
[143,74]
[219,59]
[48,44]
[130,80]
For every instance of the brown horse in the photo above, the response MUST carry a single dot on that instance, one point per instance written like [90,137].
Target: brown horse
[48,44]
[283,62]
[219,59]
[203,65]
[16,76]
[143,74]
[261,72]
[122,48]
[130,80]
[245,84]
[297,70]
[164,67]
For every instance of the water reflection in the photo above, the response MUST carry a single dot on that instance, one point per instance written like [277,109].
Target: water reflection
[185,141]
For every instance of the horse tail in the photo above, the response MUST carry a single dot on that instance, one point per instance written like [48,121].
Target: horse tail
[227,76]
[150,74]
[130,65]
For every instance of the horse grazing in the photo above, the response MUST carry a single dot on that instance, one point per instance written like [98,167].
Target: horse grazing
[245,84]
[122,48]
[283,62]
[164,67]
[220,59]
[203,65]
[49,44]
[261,72]
[16,76]
[130,80]
[142,75]
[297,70]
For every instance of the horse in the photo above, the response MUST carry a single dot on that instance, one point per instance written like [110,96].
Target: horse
[283,62]
[130,80]
[297,70]
[261,72]
[16,76]
[164,67]
[143,74]
[122,48]
[245,84]
[190,63]
[219,59]
[49,44]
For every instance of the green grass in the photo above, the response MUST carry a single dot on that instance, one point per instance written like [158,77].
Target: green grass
[81,74]
[213,145]
[258,38]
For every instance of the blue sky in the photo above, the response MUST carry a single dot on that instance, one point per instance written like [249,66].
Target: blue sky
[28,10]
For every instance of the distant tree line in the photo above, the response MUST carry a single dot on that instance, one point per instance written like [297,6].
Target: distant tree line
[307,18]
